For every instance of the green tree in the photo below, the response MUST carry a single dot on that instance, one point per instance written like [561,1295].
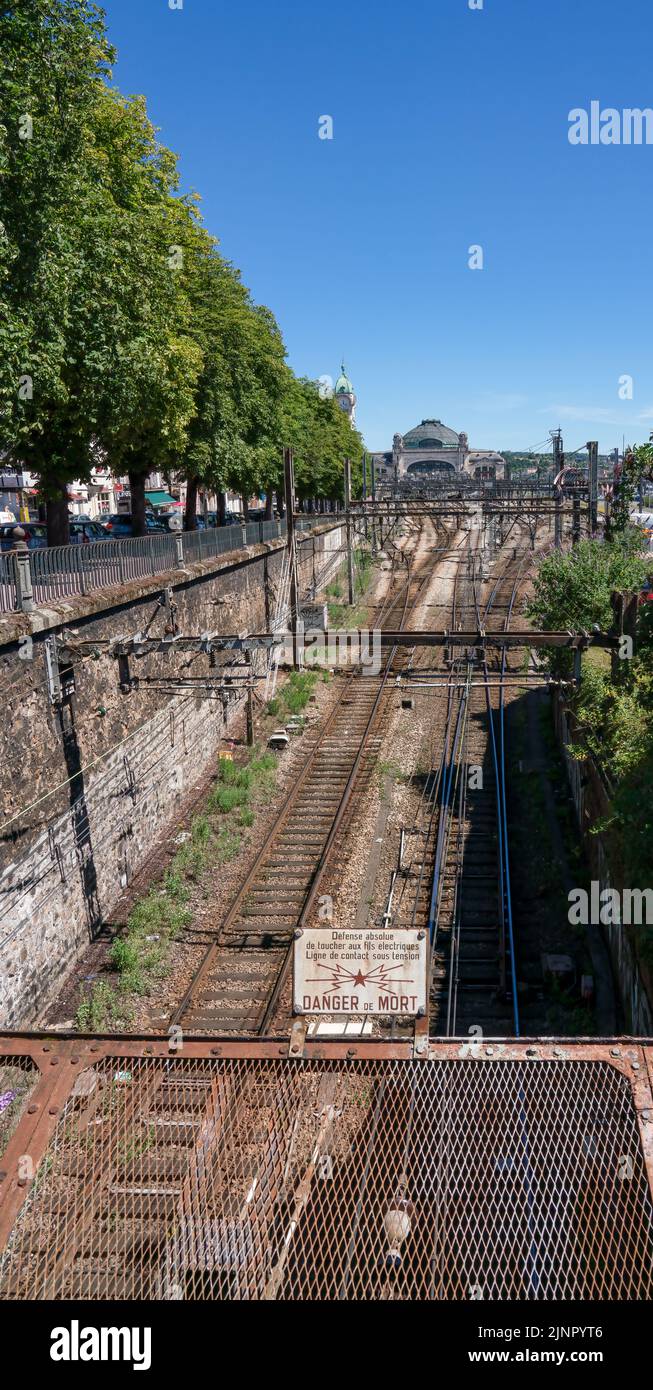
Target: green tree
[94,335]
[54,59]
[637,465]
[234,436]
[321,437]
[150,234]
[572,588]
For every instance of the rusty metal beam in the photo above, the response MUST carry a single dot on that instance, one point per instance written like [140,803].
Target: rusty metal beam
[470,637]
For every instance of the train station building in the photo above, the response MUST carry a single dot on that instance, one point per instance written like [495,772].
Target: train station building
[429,448]
[433,450]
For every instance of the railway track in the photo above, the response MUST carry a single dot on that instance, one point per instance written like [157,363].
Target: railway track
[474,983]
[453,873]
[237,986]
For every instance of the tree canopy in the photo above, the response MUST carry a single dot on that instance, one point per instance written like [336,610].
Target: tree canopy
[125,335]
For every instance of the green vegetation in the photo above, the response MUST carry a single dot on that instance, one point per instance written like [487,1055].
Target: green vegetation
[389,772]
[573,588]
[341,614]
[636,471]
[566,1017]
[124,329]
[614,710]
[294,695]
[140,956]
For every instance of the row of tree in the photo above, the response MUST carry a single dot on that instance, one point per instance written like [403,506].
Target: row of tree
[126,339]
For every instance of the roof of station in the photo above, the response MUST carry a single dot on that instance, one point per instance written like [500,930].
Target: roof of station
[430,434]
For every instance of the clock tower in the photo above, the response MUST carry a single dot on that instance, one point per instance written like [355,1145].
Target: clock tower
[344,394]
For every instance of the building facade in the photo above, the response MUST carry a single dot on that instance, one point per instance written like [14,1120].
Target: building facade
[432,450]
[429,449]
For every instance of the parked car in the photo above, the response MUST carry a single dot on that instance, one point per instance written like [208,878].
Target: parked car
[121,524]
[230,518]
[85,531]
[36,534]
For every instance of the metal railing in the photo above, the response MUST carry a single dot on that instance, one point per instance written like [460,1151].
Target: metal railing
[60,571]
[7,584]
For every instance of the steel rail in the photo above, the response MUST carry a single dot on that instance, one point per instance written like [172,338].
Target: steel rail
[344,802]
[507,941]
[391,602]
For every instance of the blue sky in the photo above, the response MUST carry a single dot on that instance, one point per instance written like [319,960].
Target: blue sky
[449,130]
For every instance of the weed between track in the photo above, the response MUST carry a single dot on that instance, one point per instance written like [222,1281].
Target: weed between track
[295,695]
[341,615]
[141,956]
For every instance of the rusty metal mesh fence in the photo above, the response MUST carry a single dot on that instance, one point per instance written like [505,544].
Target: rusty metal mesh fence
[251,1178]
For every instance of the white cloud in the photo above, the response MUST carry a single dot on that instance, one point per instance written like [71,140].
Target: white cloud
[583,413]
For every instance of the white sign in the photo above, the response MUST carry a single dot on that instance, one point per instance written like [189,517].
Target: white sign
[314,615]
[375,970]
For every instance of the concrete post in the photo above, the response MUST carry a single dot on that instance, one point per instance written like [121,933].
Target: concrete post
[24,592]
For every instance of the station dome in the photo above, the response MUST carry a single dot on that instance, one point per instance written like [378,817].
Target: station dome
[430,434]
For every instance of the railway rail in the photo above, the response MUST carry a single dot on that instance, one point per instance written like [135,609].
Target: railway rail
[460,867]
[237,986]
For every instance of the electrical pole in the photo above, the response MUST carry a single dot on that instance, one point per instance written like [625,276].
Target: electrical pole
[558,465]
[365,495]
[250,713]
[557,537]
[373,484]
[350,552]
[558,455]
[593,451]
[291,546]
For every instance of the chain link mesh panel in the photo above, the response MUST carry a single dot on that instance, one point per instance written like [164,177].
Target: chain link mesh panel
[260,1178]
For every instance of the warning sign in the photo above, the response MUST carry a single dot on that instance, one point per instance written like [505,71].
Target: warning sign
[369,971]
